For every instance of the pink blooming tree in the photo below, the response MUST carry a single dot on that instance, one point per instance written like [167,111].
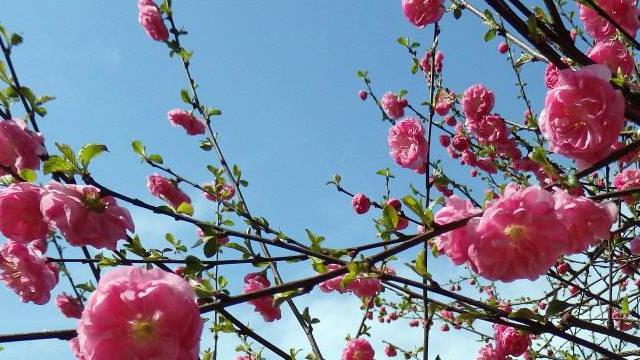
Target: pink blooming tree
[559,206]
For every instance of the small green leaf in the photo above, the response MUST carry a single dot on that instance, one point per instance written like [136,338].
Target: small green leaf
[57,163]
[156,158]
[490,35]
[624,305]
[555,307]
[89,151]
[214,112]
[138,148]
[184,95]
[28,175]
[16,39]
[278,299]
[185,208]
[421,266]
[390,216]
[524,313]
[403,41]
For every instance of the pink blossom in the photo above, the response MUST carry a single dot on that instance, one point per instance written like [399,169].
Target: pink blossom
[363,95]
[586,221]
[634,246]
[455,243]
[625,180]
[623,12]
[365,287]
[69,306]
[583,114]
[408,145]
[551,75]
[26,271]
[151,20]
[444,102]
[503,47]
[393,105]
[620,320]
[428,59]
[219,191]
[423,12]
[84,217]
[487,352]
[167,190]
[510,341]
[518,237]
[390,351]
[140,314]
[20,148]
[20,216]
[263,305]
[477,101]
[489,129]
[334,283]
[614,55]
[360,203]
[75,349]
[193,125]
[358,349]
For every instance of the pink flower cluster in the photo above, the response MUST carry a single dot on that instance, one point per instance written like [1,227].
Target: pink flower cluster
[167,190]
[614,55]
[583,114]
[508,342]
[625,180]
[191,124]
[70,306]
[408,145]
[26,271]
[20,216]
[264,305]
[150,18]
[393,105]
[360,203]
[427,61]
[521,234]
[219,191]
[423,12]
[363,286]
[85,217]
[140,314]
[358,349]
[20,148]
[623,12]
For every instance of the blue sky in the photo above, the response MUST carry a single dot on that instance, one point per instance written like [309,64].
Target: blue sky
[283,73]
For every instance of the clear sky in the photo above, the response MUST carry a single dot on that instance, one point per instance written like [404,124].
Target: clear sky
[283,73]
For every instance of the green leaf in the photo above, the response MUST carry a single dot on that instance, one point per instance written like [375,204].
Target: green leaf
[67,152]
[138,148]
[185,208]
[316,240]
[403,41]
[318,265]
[211,246]
[490,35]
[245,252]
[184,95]
[28,175]
[624,305]
[390,216]
[524,313]
[214,112]
[89,151]
[57,163]
[16,39]
[421,264]
[555,307]
[278,299]
[156,158]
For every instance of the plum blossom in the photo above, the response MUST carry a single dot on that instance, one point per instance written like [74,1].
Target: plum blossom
[360,203]
[393,105]
[583,114]
[423,12]
[358,349]
[26,271]
[70,306]
[477,101]
[625,180]
[263,305]
[455,243]
[140,314]
[191,124]
[518,236]
[20,216]
[20,148]
[85,217]
[623,12]
[614,55]
[167,190]
[408,145]
[150,18]
[510,341]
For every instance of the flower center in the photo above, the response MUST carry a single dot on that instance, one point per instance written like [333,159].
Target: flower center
[515,232]
[142,330]
[93,202]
